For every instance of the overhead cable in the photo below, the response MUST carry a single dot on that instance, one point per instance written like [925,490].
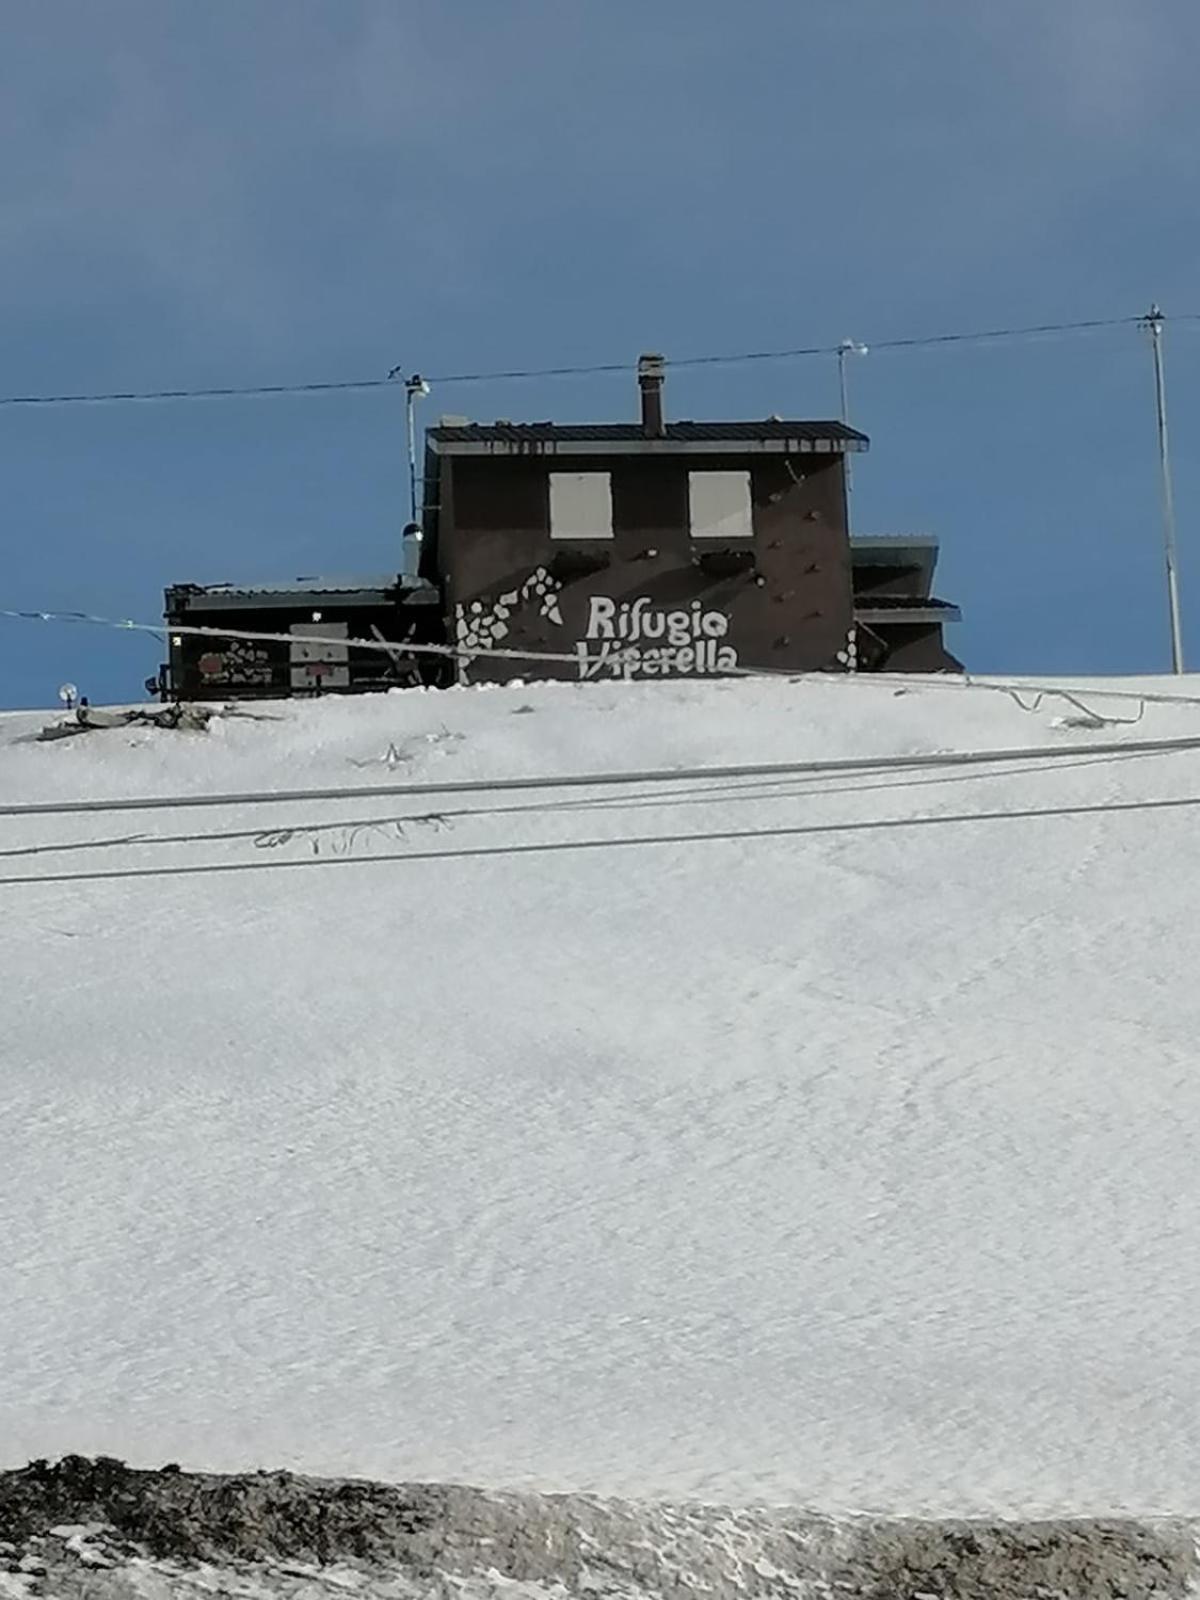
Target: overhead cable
[596,780]
[560,846]
[581,370]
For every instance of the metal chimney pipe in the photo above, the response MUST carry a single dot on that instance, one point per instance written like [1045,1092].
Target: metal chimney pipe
[651,371]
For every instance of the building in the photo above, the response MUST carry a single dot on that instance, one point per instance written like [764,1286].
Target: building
[898,622]
[311,625]
[661,548]
[645,549]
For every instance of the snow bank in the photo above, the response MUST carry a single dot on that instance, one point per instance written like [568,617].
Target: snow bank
[823,1141]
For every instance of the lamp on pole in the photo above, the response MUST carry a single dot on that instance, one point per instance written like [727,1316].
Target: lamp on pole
[415,388]
[848,347]
[1153,323]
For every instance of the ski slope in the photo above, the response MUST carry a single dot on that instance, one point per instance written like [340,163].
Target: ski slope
[799,1154]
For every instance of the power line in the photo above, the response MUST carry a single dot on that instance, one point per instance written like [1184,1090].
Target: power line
[1014,687]
[390,647]
[560,846]
[225,392]
[768,791]
[1011,687]
[584,370]
[599,780]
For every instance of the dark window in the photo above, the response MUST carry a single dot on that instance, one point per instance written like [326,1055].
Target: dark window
[650,496]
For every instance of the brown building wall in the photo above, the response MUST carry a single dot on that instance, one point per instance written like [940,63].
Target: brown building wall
[780,600]
[878,578]
[915,647]
[213,667]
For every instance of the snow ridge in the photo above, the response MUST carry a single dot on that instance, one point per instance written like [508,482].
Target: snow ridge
[169,1534]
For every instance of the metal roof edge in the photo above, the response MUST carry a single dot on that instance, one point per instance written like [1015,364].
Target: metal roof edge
[921,610]
[894,541]
[298,591]
[926,547]
[717,445]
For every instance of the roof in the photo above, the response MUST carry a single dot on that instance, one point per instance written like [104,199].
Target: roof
[891,546]
[902,602]
[293,591]
[305,586]
[904,608]
[594,438]
[910,550]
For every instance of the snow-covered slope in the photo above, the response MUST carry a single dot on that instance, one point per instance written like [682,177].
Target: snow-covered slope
[812,1157]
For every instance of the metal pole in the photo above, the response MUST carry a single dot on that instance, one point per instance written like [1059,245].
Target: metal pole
[1154,324]
[414,389]
[848,347]
[843,349]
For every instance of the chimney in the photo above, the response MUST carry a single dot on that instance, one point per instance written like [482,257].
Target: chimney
[651,370]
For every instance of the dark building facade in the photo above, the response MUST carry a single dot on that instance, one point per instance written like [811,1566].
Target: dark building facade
[646,549]
[898,621]
[306,638]
[656,549]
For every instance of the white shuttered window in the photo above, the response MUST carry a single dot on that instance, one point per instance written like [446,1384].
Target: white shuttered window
[720,505]
[581,505]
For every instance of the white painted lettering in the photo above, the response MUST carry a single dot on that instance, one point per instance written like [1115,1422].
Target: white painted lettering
[618,633]
[601,612]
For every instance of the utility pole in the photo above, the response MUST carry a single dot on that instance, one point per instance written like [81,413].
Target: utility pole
[415,388]
[1153,323]
[848,347]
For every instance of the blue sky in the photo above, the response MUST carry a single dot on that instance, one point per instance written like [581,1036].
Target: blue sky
[239,191]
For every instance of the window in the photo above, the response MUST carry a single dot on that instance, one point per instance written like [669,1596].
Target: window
[316,665]
[581,505]
[720,505]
